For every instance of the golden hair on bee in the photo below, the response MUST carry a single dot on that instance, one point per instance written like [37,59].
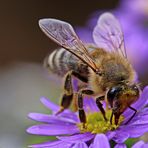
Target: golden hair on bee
[114,69]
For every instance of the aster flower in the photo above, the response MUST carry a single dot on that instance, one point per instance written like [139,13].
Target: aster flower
[133,16]
[97,133]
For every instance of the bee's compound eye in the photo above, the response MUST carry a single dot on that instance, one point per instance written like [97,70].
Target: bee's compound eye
[113,92]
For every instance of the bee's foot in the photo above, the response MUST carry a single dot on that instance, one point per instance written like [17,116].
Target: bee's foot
[83,125]
[105,119]
[60,111]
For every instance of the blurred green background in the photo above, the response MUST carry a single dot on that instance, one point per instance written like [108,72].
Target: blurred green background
[23,47]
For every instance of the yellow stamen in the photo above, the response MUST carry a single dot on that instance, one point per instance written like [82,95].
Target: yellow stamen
[96,123]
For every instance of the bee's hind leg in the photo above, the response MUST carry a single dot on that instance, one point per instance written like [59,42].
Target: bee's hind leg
[68,93]
[68,90]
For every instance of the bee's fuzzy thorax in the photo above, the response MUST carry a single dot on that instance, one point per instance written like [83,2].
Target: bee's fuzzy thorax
[115,69]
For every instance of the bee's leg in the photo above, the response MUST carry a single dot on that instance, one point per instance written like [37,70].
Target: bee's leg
[135,111]
[99,104]
[75,102]
[68,90]
[82,115]
[111,118]
[68,93]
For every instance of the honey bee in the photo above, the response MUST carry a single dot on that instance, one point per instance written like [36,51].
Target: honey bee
[103,67]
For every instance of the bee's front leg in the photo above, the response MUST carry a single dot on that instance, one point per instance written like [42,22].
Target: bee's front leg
[100,106]
[82,115]
[135,111]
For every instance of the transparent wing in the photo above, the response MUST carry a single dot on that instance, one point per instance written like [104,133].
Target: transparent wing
[64,35]
[108,34]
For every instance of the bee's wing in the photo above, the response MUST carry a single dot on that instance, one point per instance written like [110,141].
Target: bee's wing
[108,34]
[64,35]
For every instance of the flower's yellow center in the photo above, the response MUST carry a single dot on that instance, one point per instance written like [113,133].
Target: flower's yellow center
[96,123]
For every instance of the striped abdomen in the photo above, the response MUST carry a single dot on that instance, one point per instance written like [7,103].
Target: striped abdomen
[60,61]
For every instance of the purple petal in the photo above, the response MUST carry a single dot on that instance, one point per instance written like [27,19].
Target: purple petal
[50,119]
[110,134]
[51,144]
[145,146]
[52,130]
[69,115]
[91,146]
[90,105]
[121,145]
[136,130]
[101,141]
[77,138]
[140,118]
[143,112]
[80,145]
[142,101]
[139,144]
[50,105]
[130,131]
[120,136]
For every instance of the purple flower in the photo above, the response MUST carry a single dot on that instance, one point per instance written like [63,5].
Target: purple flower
[133,16]
[69,132]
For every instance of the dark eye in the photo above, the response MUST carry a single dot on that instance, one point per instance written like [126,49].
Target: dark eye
[112,93]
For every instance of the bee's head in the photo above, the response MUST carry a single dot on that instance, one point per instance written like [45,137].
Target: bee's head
[121,96]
